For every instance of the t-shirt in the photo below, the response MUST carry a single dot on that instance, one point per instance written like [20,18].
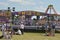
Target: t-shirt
[46,26]
[53,25]
[8,24]
[3,26]
[22,26]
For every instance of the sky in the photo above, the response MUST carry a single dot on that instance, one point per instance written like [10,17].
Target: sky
[33,5]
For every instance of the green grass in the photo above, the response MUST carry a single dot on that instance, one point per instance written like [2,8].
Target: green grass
[35,36]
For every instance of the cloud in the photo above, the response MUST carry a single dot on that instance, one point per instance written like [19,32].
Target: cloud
[3,3]
[41,2]
[58,13]
[15,0]
[40,8]
[31,4]
[23,2]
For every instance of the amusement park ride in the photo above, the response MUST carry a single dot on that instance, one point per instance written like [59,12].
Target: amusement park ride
[45,16]
[28,14]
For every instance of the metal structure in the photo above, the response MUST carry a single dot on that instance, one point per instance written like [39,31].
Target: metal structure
[52,16]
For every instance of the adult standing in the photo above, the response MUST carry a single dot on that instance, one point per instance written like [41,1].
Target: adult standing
[22,28]
[3,30]
[53,28]
[46,28]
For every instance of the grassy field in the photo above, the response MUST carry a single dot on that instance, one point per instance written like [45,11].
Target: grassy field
[35,36]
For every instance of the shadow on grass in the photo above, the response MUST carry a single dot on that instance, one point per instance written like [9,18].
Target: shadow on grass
[38,31]
[34,31]
[57,31]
